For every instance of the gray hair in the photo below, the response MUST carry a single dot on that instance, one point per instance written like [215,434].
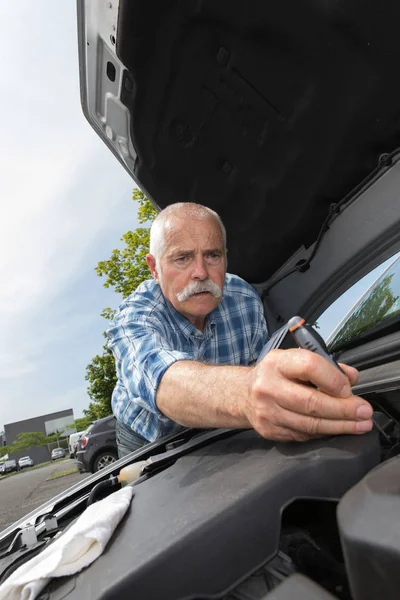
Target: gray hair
[186,209]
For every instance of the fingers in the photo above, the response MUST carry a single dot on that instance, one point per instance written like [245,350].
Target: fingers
[282,434]
[351,373]
[310,401]
[300,410]
[310,367]
[317,426]
[267,429]
[285,408]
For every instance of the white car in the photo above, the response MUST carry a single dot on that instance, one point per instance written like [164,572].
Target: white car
[57,453]
[73,443]
[25,461]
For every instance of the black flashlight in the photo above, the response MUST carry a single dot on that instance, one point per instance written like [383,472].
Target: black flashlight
[306,337]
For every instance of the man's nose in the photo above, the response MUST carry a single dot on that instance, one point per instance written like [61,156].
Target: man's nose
[200,269]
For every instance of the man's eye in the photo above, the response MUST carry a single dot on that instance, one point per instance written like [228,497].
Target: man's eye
[182,259]
[213,256]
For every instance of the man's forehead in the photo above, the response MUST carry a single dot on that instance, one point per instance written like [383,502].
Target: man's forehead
[190,231]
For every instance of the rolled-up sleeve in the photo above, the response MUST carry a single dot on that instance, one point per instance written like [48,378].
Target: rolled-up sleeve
[142,353]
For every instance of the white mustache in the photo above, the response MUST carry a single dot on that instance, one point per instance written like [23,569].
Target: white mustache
[196,287]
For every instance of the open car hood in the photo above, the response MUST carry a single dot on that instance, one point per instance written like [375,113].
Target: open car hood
[284,118]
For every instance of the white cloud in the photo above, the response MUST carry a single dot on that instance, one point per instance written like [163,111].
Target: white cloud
[44,141]
[48,251]
[12,368]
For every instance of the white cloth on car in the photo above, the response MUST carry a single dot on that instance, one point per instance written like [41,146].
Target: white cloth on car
[77,548]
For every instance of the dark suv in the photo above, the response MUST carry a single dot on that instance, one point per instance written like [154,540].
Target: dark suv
[98,446]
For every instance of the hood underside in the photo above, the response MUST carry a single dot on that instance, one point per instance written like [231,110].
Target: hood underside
[268,113]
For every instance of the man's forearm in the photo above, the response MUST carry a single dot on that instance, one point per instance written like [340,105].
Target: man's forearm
[199,395]
[274,397]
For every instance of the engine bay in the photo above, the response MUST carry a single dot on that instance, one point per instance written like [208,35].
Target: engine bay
[232,516]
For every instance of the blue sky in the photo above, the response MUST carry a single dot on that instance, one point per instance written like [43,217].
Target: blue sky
[65,202]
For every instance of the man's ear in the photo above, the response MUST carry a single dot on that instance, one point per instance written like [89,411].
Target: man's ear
[151,263]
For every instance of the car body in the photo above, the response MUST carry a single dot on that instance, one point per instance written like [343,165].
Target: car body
[285,119]
[97,446]
[57,453]
[9,466]
[25,461]
[73,443]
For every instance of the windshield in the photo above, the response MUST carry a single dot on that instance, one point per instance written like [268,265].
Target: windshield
[379,305]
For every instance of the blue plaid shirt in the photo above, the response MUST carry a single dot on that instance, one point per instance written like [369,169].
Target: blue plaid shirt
[149,335]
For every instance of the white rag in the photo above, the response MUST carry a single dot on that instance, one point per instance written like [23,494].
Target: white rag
[77,548]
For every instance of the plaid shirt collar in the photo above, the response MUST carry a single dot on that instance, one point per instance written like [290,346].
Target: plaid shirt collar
[185,326]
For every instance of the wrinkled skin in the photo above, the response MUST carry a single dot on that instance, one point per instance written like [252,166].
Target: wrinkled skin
[282,405]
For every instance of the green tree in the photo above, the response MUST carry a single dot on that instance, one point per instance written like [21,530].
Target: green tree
[371,311]
[27,439]
[5,450]
[102,377]
[123,271]
[57,435]
[82,423]
[127,268]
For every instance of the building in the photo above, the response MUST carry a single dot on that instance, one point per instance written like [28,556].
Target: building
[48,424]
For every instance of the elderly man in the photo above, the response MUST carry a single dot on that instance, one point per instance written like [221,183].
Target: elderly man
[185,341]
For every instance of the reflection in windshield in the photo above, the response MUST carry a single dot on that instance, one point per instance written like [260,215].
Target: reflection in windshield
[380,302]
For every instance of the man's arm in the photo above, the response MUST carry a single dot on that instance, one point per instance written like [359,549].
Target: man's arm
[200,395]
[274,397]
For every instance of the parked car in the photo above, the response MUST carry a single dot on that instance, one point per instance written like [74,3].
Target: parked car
[57,453]
[98,446]
[73,443]
[25,461]
[285,118]
[9,466]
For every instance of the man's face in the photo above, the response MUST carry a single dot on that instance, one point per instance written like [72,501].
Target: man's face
[194,256]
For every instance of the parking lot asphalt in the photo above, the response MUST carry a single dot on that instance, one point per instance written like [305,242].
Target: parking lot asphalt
[25,491]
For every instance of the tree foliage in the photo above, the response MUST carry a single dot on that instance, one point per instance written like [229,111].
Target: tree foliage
[123,271]
[5,450]
[370,312]
[30,438]
[102,377]
[27,439]
[127,268]
[82,423]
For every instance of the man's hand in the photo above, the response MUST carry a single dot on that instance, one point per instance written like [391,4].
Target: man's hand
[282,405]
[291,395]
